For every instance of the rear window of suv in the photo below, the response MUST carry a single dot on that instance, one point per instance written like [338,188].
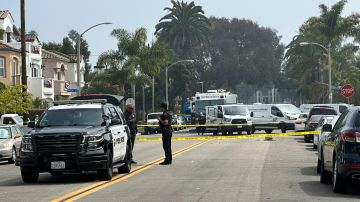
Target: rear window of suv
[322,111]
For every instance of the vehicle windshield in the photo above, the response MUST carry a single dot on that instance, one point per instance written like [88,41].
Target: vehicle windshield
[235,110]
[200,105]
[18,119]
[5,133]
[289,109]
[72,117]
[153,116]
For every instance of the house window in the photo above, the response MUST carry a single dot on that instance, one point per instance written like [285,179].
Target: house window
[8,37]
[34,72]
[2,66]
[59,76]
[14,70]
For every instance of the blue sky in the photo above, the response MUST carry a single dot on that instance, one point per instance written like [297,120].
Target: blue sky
[52,19]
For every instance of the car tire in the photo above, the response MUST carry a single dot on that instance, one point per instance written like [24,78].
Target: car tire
[325,176]
[248,132]
[107,173]
[314,146]
[306,138]
[283,128]
[253,130]
[126,168]
[318,167]
[268,131]
[13,156]
[29,176]
[339,184]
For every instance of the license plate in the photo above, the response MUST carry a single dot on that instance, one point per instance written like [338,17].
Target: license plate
[58,165]
[239,126]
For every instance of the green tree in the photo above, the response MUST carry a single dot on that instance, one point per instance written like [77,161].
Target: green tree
[14,100]
[308,65]
[184,28]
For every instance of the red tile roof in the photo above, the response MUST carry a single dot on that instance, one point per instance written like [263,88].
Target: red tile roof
[5,47]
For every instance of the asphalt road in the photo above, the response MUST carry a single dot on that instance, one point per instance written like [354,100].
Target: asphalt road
[216,170]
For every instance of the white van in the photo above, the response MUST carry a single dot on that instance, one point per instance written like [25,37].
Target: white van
[270,117]
[152,119]
[229,114]
[339,108]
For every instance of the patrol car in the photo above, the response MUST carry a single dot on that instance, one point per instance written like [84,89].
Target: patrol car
[88,133]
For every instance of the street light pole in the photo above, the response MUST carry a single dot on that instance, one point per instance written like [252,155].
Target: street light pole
[202,86]
[167,80]
[328,51]
[79,56]
[330,79]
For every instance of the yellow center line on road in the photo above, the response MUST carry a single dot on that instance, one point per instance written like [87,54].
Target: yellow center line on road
[199,138]
[81,193]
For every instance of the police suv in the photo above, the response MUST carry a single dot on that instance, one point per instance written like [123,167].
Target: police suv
[88,133]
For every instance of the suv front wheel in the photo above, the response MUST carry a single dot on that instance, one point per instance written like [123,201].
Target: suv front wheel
[29,176]
[107,173]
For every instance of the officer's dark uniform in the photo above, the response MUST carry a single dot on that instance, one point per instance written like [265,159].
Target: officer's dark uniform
[166,131]
[132,126]
[202,120]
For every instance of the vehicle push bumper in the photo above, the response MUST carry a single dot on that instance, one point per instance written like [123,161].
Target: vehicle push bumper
[62,153]
[69,162]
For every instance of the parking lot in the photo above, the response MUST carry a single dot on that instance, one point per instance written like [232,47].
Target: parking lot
[232,170]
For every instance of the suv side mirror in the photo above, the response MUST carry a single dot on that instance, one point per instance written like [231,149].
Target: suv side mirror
[31,124]
[327,128]
[115,122]
[251,114]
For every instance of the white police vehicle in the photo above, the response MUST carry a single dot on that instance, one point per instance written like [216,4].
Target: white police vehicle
[88,133]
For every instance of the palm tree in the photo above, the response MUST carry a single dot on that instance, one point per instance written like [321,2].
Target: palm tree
[134,62]
[184,27]
[329,29]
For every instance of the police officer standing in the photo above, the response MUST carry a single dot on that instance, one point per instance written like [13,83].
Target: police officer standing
[131,122]
[166,131]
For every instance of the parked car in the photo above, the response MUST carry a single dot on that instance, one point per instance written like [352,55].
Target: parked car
[320,139]
[10,141]
[327,119]
[311,125]
[300,122]
[340,159]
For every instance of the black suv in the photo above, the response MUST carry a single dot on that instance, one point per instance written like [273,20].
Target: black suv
[317,110]
[340,151]
[84,134]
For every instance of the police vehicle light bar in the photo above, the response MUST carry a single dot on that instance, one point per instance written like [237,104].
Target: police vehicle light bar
[65,102]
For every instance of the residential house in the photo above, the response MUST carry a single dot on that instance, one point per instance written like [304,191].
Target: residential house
[71,72]
[56,68]
[8,31]
[10,65]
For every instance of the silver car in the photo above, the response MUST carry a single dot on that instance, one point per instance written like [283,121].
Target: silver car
[10,140]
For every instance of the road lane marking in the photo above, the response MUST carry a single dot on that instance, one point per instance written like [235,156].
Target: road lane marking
[231,136]
[82,192]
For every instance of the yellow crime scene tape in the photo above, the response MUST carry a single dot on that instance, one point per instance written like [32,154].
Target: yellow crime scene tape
[263,135]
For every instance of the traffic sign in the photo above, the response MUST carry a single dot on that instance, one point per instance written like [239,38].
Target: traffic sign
[347,90]
[67,85]
[72,90]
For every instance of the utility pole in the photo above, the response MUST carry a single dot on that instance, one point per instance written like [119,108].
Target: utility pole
[23,48]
